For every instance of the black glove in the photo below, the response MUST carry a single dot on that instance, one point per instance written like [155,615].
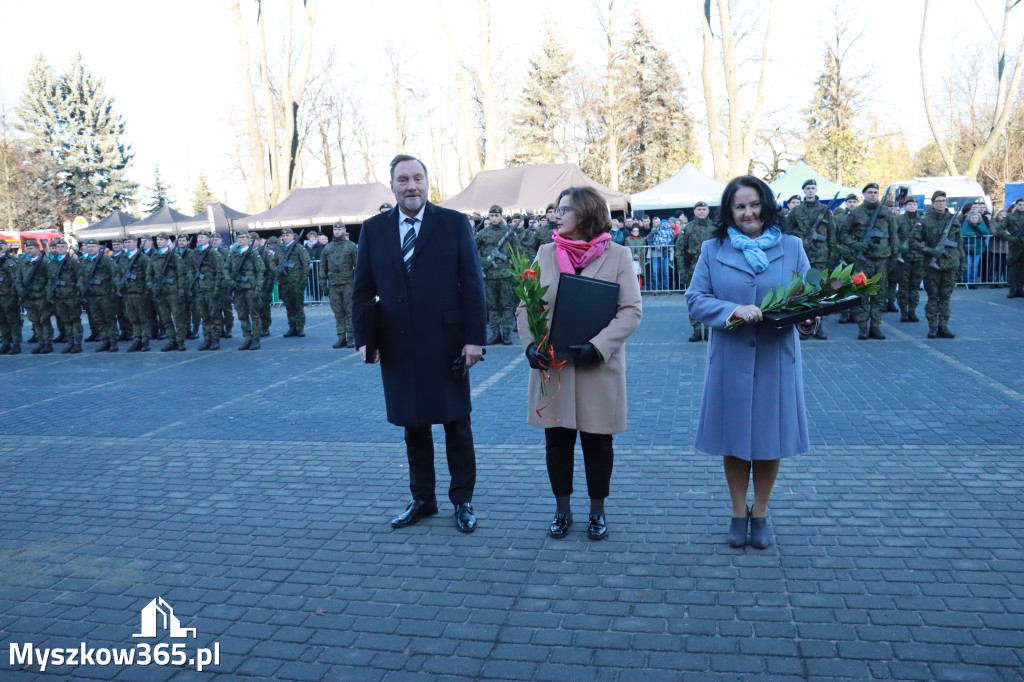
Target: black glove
[585,354]
[535,360]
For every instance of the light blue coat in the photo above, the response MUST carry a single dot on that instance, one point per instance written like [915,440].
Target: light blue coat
[753,403]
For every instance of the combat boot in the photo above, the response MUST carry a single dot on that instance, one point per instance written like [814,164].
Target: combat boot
[340,343]
[695,336]
[113,347]
[33,339]
[506,337]
[181,345]
[876,333]
[15,349]
[67,348]
[494,339]
[904,317]
[215,345]
[245,344]
[300,333]
[145,346]
[862,335]
[255,345]
[61,338]
[933,332]
[4,349]
[290,333]
[205,345]
[265,333]
[135,347]
[104,347]
[845,318]
[944,333]
[171,345]
[91,338]
[75,348]
[890,307]
[819,333]
[225,333]
[46,349]
[912,316]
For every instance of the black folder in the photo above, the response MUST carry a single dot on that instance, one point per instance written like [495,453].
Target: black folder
[372,322]
[583,308]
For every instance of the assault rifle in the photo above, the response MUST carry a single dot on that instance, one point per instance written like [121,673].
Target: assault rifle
[91,279]
[944,242]
[870,233]
[128,275]
[496,257]
[238,277]
[31,277]
[285,262]
[158,286]
[57,281]
[199,273]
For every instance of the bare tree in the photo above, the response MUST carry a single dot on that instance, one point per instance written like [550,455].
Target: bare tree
[611,105]
[258,185]
[741,129]
[470,137]
[485,82]
[1008,84]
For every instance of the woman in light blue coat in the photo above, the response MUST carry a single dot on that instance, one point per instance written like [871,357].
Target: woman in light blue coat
[752,411]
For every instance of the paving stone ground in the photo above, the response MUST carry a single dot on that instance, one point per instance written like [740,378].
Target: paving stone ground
[252,491]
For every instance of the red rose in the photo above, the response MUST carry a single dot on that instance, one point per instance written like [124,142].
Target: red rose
[529,274]
[860,279]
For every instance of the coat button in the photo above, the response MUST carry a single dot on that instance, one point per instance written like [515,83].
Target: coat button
[751,343]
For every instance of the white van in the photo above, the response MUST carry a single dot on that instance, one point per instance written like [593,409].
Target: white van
[959,190]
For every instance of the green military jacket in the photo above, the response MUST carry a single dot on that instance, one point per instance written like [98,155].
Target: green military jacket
[338,263]
[8,276]
[245,273]
[98,275]
[543,234]
[206,271]
[880,245]
[690,239]
[1013,231]
[904,228]
[166,273]
[270,256]
[65,277]
[295,261]
[131,274]
[33,282]
[814,224]
[487,239]
[929,231]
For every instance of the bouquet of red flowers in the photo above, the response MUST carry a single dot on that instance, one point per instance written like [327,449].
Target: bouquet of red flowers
[531,293]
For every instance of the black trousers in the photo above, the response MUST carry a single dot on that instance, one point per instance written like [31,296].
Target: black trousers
[458,445]
[560,444]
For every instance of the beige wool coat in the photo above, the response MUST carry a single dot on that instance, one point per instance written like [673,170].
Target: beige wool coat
[592,398]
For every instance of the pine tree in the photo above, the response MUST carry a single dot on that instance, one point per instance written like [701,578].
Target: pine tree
[71,118]
[539,127]
[835,146]
[658,138]
[201,195]
[159,193]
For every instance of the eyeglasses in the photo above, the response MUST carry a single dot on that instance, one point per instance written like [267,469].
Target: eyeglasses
[562,210]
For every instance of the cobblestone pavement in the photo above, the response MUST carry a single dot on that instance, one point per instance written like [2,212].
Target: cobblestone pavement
[252,491]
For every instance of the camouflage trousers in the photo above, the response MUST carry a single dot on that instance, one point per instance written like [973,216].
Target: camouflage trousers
[122,317]
[247,305]
[139,310]
[341,304]
[10,321]
[685,275]
[1015,272]
[265,300]
[291,294]
[871,307]
[938,284]
[501,303]
[207,308]
[910,275]
[225,314]
[104,312]
[69,318]
[174,316]
[38,312]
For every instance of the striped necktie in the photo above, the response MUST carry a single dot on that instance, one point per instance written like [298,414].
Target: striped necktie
[409,243]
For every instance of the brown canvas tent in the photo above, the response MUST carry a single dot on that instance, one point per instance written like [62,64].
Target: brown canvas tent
[528,189]
[312,206]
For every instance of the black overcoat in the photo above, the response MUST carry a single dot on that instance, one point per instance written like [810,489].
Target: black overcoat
[427,315]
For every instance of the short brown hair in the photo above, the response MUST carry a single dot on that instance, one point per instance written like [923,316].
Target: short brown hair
[592,218]
[405,157]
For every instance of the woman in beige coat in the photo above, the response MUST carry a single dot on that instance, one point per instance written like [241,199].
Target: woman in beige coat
[592,397]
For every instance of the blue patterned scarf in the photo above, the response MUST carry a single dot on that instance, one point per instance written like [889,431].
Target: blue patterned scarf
[753,249]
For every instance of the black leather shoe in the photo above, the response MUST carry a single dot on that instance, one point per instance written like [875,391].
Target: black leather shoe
[597,529]
[417,509]
[560,526]
[465,522]
[876,333]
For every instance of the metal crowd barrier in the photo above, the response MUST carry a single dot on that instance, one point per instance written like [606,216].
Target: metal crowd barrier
[985,261]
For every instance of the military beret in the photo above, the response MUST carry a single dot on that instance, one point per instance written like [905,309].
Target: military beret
[117,240]
[851,196]
[90,241]
[701,203]
[56,240]
[131,238]
[31,242]
[273,240]
[385,206]
[242,233]
[161,235]
[287,230]
[792,197]
[181,236]
[1019,200]
[909,199]
[870,185]
[215,235]
[888,203]
[937,193]
[809,182]
[203,233]
[494,209]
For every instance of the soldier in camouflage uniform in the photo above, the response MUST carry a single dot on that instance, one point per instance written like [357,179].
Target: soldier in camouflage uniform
[1013,227]
[99,277]
[812,221]
[156,325]
[134,290]
[66,294]
[894,263]
[541,234]
[337,270]
[123,323]
[206,282]
[34,282]
[910,272]
[842,217]
[10,310]
[192,328]
[495,242]
[166,278]
[244,275]
[291,274]
[940,243]
[687,251]
[225,313]
[869,241]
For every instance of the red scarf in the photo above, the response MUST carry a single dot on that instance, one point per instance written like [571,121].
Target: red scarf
[573,255]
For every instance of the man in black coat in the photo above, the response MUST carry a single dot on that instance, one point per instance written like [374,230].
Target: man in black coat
[422,263]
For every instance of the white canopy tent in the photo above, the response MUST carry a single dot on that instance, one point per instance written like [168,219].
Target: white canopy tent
[682,190]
